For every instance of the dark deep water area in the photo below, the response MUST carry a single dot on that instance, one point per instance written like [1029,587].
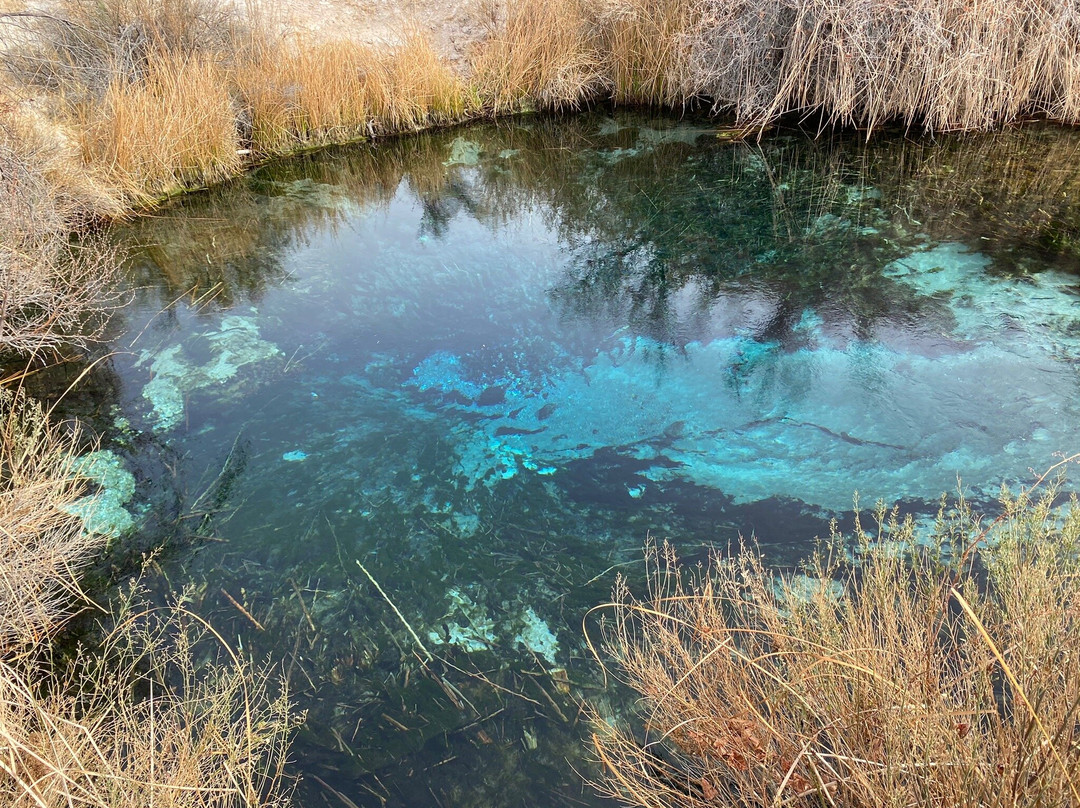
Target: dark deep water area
[487,364]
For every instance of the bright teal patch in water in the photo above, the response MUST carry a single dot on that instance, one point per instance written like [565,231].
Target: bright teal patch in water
[105,511]
[175,372]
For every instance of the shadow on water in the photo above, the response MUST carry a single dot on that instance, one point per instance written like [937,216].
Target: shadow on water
[483,365]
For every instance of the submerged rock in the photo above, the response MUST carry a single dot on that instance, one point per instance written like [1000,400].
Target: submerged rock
[463,152]
[470,627]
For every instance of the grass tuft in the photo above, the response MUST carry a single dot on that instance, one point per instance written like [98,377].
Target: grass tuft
[175,128]
[538,53]
[42,547]
[160,712]
[900,680]
[138,722]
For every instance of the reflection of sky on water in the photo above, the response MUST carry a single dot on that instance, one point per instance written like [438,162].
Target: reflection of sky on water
[490,381]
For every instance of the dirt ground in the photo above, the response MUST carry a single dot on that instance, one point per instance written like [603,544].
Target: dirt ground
[453,25]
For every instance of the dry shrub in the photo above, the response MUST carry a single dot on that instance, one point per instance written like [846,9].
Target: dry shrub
[138,722]
[733,54]
[541,53]
[51,294]
[900,681]
[174,128]
[81,48]
[42,548]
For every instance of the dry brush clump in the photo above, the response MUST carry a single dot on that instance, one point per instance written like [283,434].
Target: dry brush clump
[900,680]
[167,95]
[52,294]
[42,547]
[539,53]
[137,722]
[159,711]
[943,65]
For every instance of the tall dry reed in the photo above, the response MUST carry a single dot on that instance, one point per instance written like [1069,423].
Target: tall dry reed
[646,57]
[943,65]
[174,128]
[539,53]
[899,680]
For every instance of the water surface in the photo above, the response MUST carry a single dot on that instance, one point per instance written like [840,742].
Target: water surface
[487,364]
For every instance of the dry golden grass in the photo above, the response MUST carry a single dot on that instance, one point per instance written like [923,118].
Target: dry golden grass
[419,89]
[42,548]
[899,681]
[138,722]
[176,128]
[305,94]
[318,92]
[645,50]
[539,53]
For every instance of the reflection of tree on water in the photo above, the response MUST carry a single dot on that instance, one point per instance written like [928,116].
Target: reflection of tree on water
[660,220]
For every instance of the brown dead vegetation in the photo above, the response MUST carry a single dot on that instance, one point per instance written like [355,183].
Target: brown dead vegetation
[897,680]
[162,95]
[942,65]
[917,687]
[136,720]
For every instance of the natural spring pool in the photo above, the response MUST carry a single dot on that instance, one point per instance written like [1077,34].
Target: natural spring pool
[488,363]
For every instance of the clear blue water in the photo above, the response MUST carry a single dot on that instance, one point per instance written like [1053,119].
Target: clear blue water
[487,364]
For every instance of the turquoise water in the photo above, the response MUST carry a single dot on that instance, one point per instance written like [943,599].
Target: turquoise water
[487,364]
